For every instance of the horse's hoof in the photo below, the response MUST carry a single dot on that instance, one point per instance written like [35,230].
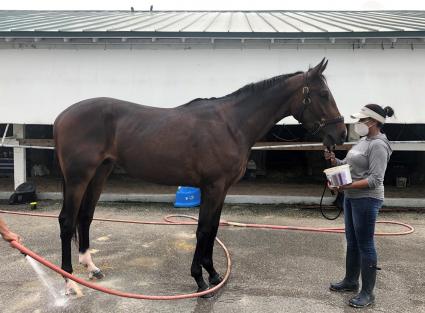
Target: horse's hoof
[70,292]
[215,280]
[72,289]
[97,274]
[208,295]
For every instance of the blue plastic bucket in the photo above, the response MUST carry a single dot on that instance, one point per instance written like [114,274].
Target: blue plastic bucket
[187,197]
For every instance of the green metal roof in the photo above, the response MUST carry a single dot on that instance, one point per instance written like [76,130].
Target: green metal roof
[220,24]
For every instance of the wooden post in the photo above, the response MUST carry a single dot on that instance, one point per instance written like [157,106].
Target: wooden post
[19,156]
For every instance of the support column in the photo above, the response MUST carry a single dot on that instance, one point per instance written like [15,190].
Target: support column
[19,156]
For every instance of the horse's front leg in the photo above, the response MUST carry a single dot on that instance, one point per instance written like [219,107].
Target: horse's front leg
[207,261]
[212,201]
[196,268]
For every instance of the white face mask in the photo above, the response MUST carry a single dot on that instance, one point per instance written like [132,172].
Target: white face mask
[361,128]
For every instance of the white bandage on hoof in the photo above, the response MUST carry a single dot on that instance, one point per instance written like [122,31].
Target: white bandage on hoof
[86,260]
[71,288]
[96,274]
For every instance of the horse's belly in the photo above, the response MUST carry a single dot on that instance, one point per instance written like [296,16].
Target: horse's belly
[159,171]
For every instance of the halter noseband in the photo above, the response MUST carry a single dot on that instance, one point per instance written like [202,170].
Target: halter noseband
[306,102]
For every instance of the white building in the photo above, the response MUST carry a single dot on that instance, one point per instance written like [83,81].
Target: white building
[52,59]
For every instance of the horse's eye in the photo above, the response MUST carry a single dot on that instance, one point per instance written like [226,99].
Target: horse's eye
[324,93]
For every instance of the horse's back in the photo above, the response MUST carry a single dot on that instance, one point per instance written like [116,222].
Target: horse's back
[92,107]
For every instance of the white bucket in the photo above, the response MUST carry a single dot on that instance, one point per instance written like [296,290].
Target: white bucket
[339,175]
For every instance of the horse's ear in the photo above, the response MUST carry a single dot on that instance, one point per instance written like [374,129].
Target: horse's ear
[319,68]
[325,64]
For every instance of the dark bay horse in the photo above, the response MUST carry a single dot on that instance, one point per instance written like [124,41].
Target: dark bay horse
[204,143]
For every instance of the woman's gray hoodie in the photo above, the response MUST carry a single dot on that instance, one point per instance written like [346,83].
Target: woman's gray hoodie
[368,159]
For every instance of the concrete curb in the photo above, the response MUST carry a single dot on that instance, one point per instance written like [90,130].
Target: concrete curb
[233,199]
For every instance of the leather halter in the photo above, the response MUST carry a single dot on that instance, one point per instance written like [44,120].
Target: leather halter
[306,103]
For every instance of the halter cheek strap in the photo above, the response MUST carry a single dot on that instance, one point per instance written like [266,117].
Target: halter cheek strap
[306,102]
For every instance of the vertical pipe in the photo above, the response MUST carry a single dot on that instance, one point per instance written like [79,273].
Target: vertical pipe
[4,134]
[19,156]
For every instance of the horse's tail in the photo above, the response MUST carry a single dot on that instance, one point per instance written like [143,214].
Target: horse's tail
[57,169]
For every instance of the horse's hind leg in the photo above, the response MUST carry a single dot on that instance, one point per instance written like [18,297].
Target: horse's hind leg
[74,190]
[88,206]
[209,216]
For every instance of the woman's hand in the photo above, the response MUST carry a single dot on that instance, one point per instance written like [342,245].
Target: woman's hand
[9,236]
[338,188]
[333,188]
[330,156]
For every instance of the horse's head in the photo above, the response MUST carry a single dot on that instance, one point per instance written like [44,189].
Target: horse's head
[316,109]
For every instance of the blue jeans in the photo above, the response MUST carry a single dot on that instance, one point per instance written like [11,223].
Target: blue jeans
[360,217]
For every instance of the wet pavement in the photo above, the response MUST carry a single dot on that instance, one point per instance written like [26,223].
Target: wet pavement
[273,271]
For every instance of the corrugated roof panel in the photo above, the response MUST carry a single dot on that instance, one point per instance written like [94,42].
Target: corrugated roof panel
[221,23]
[403,17]
[321,22]
[168,20]
[152,20]
[375,19]
[178,25]
[96,24]
[18,23]
[260,24]
[78,24]
[205,22]
[201,24]
[12,15]
[364,22]
[405,14]
[371,21]
[21,18]
[280,24]
[302,24]
[137,21]
[352,22]
[239,23]
[55,22]
[174,26]
[395,21]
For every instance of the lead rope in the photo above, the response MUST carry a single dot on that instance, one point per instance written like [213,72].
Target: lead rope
[340,207]
[336,202]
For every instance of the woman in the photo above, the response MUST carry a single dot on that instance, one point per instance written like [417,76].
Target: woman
[363,198]
[6,233]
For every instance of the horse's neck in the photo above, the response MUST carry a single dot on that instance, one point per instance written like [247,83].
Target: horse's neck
[254,115]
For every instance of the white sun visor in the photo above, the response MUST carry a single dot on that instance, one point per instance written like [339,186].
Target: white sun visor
[365,112]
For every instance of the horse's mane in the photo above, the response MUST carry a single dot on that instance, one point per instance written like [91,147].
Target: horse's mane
[262,85]
[250,88]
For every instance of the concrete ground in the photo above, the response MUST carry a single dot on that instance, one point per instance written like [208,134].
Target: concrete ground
[273,271]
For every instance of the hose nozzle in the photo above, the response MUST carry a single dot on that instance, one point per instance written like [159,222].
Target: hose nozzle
[15,244]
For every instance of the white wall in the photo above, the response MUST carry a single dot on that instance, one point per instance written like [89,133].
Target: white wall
[37,84]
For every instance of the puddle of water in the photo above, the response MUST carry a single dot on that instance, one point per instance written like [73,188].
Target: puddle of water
[104,238]
[58,299]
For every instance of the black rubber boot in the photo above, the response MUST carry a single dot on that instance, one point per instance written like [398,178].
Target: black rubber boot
[352,273]
[366,296]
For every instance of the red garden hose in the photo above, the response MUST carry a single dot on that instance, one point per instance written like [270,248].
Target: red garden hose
[168,221]
[114,292]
